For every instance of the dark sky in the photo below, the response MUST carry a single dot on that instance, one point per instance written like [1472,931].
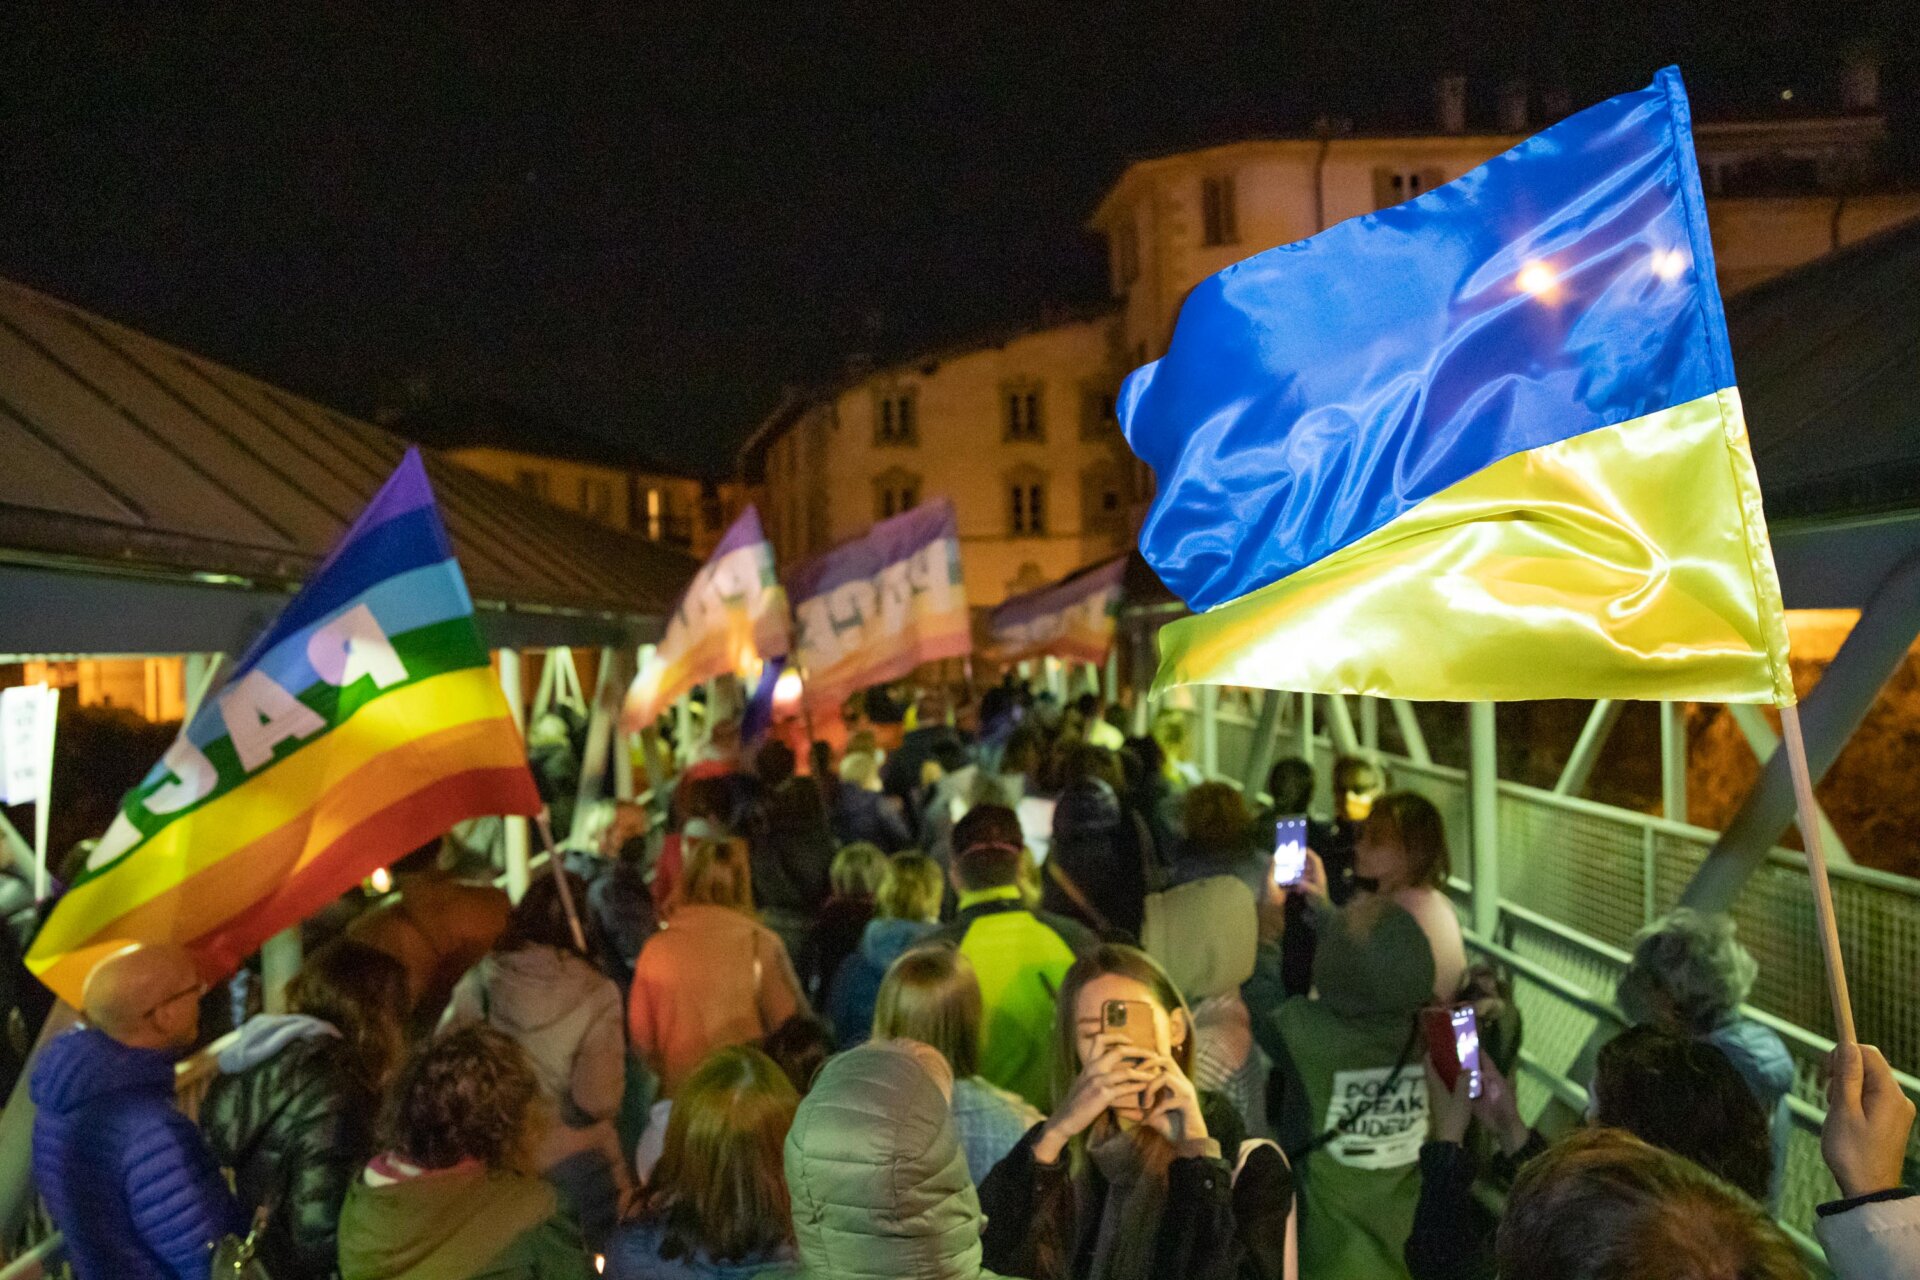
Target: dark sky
[645,220]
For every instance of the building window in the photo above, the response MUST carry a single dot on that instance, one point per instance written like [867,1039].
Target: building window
[1097,418]
[656,514]
[1126,251]
[530,482]
[596,498]
[1021,402]
[895,418]
[1026,507]
[1397,186]
[1103,506]
[895,493]
[1219,220]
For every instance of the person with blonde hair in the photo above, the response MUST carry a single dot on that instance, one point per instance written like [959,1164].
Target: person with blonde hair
[906,911]
[855,874]
[714,975]
[859,812]
[716,1206]
[930,995]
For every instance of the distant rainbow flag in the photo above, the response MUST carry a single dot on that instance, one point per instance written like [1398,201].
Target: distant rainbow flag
[733,616]
[1072,618]
[364,723]
[873,609]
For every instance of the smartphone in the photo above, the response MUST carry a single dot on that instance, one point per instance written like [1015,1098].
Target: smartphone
[1289,850]
[1453,1041]
[1131,1021]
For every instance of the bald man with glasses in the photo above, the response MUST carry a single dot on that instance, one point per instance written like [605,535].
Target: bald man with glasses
[126,1177]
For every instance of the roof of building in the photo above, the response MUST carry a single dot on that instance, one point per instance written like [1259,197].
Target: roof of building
[495,423]
[153,501]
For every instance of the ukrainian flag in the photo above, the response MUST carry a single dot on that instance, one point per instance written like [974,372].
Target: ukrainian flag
[1483,445]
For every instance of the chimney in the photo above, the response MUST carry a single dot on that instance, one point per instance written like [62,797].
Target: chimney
[1860,83]
[1513,107]
[1450,104]
[1556,104]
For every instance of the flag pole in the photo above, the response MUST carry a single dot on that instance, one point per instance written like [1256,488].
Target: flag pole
[1810,835]
[559,871]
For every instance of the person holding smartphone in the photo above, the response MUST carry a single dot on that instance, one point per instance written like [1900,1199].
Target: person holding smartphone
[1136,1174]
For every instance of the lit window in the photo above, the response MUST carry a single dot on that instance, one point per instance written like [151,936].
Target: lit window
[1219,220]
[656,514]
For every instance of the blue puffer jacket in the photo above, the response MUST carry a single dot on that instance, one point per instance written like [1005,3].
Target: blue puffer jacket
[855,990]
[125,1176]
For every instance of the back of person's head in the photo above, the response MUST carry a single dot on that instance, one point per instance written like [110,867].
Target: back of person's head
[1683,1095]
[857,870]
[708,799]
[1026,749]
[466,1095]
[774,762]
[1170,731]
[1290,785]
[820,758]
[716,873]
[911,888]
[987,848]
[930,994]
[1215,818]
[1153,761]
[1689,971]
[718,1188]
[860,769]
[877,1172]
[540,918]
[1087,704]
[361,992]
[549,730]
[1084,762]
[1603,1205]
[1373,961]
[1411,821]
[800,1046]
[146,996]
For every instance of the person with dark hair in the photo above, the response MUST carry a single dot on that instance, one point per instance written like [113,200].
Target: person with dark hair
[906,910]
[931,996]
[126,1178]
[539,989]
[1217,840]
[450,1195]
[715,1206]
[435,923]
[800,1046]
[1683,1095]
[774,764]
[1604,1205]
[855,875]
[792,848]
[292,1111]
[1019,955]
[1101,856]
[1290,787]
[619,912]
[715,975]
[1099,732]
[1135,1175]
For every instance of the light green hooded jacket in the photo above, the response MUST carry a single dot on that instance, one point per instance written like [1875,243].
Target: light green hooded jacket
[879,1183]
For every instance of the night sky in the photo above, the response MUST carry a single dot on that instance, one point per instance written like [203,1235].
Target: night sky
[644,221]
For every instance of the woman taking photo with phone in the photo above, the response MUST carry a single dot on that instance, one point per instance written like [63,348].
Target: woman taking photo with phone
[1136,1175]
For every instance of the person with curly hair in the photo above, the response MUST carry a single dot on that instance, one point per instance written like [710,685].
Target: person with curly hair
[451,1197]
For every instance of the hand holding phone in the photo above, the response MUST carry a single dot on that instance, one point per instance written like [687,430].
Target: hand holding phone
[1453,1043]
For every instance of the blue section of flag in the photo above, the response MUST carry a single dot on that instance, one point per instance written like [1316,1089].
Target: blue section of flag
[1314,392]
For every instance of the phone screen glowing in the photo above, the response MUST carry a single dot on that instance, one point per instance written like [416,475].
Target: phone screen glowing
[1466,1045]
[1289,850]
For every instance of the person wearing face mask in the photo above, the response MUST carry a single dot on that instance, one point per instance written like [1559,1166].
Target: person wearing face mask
[1357,787]
[1135,1174]
[1401,854]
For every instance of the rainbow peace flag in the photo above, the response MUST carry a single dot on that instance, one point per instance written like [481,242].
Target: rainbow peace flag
[364,723]
[1073,618]
[1483,445]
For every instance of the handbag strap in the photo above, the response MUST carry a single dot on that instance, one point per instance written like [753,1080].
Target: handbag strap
[1079,897]
[1360,1110]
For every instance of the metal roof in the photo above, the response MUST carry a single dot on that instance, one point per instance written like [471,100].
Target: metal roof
[153,501]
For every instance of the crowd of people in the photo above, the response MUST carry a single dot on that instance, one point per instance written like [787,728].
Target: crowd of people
[989,990]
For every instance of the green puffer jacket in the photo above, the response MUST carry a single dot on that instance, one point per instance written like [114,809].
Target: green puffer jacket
[879,1182]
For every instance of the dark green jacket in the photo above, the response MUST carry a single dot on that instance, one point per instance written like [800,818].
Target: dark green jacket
[459,1225]
[1373,972]
[879,1183]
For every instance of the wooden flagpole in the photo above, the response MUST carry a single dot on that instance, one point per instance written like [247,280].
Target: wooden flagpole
[1809,819]
[555,864]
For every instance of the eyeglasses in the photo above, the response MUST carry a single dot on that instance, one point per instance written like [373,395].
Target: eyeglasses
[197,990]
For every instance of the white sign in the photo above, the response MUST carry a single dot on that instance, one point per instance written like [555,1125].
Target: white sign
[1380,1128]
[26,743]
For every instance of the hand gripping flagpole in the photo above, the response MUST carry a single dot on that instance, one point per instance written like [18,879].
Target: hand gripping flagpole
[1808,816]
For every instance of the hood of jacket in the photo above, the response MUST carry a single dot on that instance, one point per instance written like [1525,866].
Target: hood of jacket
[266,1034]
[1373,960]
[885,940]
[1088,807]
[879,1182]
[85,1064]
[534,989]
[452,1223]
[1760,1056]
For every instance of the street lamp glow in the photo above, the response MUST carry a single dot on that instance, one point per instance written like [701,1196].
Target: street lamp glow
[1538,279]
